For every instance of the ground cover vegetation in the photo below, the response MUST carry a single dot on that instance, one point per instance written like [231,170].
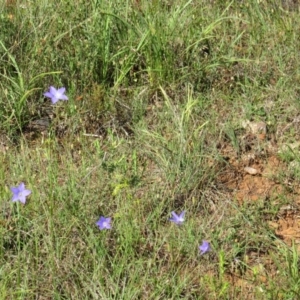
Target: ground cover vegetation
[149,149]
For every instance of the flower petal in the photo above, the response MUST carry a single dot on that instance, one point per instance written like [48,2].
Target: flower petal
[174,214]
[22,199]
[63,97]
[61,90]
[14,190]
[26,193]
[21,186]
[48,94]
[15,198]
[52,90]
[181,216]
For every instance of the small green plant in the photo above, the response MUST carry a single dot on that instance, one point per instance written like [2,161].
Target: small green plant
[16,91]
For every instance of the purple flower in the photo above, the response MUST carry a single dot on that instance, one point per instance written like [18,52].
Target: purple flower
[20,193]
[104,223]
[205,247]
[56,94]
[177,219]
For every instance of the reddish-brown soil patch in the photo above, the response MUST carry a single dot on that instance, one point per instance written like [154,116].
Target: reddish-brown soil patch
[245,186]
[260,186]
[288,226]
[264,185]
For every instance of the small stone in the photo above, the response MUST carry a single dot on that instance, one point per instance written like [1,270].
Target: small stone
[255,127]
[258,127]
[250,170]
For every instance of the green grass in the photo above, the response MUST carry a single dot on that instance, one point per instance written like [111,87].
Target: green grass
[158,95]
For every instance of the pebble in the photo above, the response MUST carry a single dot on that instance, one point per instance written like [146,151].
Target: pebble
[251,171]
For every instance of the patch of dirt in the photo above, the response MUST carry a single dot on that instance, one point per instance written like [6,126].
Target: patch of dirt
[288,225]
[247,187]
[260,186]
[251,174]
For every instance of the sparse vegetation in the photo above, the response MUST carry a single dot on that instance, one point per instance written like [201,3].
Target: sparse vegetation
[173,106]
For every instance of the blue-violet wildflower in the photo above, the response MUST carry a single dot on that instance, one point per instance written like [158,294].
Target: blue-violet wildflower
[20,193]
[56,94]
[104,223]
[177,219]
[205,247]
